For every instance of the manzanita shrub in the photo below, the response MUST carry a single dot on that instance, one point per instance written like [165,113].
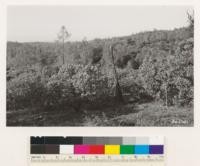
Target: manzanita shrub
[26,90]
[78,86]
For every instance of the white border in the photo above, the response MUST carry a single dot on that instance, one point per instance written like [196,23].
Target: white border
[182,144]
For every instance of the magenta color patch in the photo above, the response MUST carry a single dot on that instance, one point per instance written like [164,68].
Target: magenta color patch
[81,149]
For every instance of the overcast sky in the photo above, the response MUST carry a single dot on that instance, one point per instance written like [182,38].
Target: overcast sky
[42,23]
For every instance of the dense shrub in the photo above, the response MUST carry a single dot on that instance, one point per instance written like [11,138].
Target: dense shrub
[26,90]
[59,93]
[169,77]
[76,85]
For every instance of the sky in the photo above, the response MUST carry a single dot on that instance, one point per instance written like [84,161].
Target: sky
[42,23]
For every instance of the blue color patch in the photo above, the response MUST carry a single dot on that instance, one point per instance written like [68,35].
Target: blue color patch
[141,149]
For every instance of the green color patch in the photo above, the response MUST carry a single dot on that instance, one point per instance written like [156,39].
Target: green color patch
[126,149]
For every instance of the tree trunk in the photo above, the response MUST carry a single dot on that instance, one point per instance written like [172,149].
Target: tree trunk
[166,96]
[63,52]
[118,91]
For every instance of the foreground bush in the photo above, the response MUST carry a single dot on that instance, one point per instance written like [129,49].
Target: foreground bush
[78,85]
[26,90]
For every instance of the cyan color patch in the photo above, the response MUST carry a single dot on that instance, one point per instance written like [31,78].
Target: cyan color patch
[141,149]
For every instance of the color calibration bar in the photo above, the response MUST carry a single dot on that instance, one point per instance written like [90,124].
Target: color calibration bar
[97,151]
[97,145]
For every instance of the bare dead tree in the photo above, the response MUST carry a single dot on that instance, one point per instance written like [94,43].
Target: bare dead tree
[190,18]
[118,91]
[63,35]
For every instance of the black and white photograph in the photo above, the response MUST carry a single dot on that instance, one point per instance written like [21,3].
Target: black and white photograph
[100,66]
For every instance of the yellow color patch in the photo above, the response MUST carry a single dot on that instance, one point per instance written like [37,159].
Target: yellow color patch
[112,149]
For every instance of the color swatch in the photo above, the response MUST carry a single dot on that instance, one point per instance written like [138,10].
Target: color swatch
[127,149]
[112,149]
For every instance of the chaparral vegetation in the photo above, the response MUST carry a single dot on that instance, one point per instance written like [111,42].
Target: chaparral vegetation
[144,79]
